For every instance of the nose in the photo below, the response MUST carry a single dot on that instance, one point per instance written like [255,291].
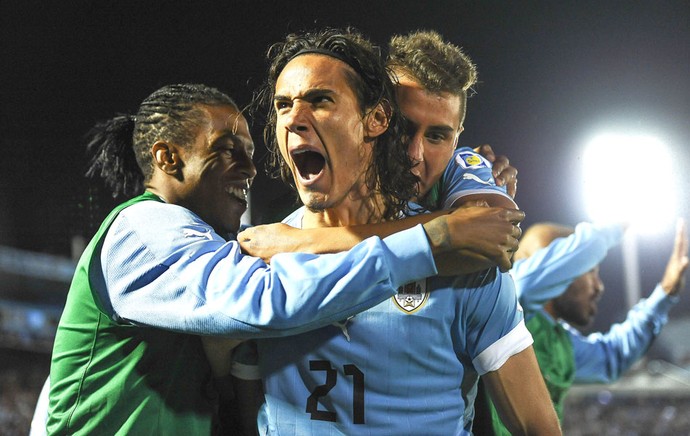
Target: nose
[416,149]
[247,167]
[295,120]
[598,285]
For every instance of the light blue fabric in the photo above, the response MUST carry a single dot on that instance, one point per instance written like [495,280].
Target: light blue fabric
[548,272]
[467,173]
[599,357]
[164,267]
[406,366]
[604,357]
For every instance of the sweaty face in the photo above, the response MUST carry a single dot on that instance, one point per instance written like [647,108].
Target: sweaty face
[578,304]
[434,123]
[218,168]
[319,130]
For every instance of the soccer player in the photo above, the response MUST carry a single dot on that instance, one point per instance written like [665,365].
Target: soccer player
[432,78]
[410,364]
[159,272]
[557,279]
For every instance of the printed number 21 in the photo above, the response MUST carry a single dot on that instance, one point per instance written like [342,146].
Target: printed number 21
[331,380]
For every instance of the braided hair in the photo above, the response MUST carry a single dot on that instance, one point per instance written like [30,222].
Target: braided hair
[120,148]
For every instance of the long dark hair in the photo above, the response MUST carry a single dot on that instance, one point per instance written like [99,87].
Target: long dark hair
[390,171]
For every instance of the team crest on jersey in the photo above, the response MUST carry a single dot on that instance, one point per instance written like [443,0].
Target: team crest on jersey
[468,159]
[412,296]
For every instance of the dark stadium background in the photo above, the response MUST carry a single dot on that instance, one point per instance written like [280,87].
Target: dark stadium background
[551,73]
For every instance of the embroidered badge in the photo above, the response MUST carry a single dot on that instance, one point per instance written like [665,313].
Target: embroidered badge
[412,296]
[467,159]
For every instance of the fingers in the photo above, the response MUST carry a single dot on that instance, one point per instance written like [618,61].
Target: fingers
[505,175]
[680,246]
[674,276]
[515,216]
[505,264]
[487,152]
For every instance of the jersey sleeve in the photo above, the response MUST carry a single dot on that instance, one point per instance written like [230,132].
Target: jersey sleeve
[549,271]
[164,267]
[603,357]
[494,326]
[467,173]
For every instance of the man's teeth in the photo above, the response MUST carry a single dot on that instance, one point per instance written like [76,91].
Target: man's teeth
[240,193]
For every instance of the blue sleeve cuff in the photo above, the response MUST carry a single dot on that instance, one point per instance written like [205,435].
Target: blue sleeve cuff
[410,256]
[660,302]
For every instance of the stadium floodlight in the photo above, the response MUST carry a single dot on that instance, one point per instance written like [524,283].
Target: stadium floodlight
[630,179]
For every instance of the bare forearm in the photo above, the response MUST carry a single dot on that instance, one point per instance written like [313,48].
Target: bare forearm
[518,391]
[488,233]
[268,240]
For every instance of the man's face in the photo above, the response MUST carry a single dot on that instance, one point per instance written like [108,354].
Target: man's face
[578,304]
[218,168]
[434,123]
[319,130]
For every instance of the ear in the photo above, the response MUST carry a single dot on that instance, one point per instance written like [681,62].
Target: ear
[457,136]
[376,121]
[166,158]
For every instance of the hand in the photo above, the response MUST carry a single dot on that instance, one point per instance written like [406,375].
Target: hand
[674,277]
[488,232]
[267,240]
[504,174]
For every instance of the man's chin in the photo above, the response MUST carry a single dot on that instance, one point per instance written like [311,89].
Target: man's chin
[314,201]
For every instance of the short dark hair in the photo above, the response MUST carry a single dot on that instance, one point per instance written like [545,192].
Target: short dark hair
[437,65]
[120,147]
[390,171]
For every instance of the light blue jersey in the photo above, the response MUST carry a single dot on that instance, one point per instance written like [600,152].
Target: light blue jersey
[407,366]
[467,173]
[163,267]
[599,357]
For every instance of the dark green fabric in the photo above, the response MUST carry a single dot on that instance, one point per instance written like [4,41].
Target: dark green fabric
[432,198]
[554,353]
[109,377]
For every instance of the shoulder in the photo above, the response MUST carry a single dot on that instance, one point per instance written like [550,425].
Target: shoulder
[469,174]
[161,228]
[295,218]
[148,210]
[466,159]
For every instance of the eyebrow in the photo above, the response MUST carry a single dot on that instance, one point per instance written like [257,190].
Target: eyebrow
[442,128]
[227,134]
[311,93]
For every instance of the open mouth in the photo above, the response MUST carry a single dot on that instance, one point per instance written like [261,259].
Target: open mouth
[309,164]
[240,194]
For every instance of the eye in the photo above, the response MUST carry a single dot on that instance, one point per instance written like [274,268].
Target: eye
[320,99]
[281,104]
[435,138]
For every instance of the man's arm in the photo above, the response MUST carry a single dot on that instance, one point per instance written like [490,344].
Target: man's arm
[504,173]
[518,391]
[469,177]
[240,390]
[604,357]
[480,237]
[548,272]
[164,268]
[267,240]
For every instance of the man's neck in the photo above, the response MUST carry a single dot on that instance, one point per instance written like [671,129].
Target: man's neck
[348,213]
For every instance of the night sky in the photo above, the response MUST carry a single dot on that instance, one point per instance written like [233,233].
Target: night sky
[551,73]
